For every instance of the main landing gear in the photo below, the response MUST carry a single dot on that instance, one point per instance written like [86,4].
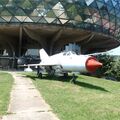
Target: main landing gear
[39,74]
[65,75]
[73,80]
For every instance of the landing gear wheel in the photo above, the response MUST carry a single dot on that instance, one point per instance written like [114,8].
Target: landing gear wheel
[40,75]
[65,75]
[73,80]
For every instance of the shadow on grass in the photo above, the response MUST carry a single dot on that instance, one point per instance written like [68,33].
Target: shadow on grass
[32,77]
[90,86]
[68,79]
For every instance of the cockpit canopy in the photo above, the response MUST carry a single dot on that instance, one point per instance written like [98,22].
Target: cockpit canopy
[69,53]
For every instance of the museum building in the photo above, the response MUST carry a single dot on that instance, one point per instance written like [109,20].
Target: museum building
[94,25]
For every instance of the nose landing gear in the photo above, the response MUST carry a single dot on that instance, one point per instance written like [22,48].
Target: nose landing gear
[74,77]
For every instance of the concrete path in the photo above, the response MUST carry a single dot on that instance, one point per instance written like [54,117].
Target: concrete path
[26,102]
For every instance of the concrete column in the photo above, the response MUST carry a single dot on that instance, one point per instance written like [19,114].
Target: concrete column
[20,42]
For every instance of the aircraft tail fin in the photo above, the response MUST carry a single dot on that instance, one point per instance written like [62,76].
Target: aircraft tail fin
[43,54]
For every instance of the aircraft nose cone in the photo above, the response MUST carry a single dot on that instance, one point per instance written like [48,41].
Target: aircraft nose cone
[92,64]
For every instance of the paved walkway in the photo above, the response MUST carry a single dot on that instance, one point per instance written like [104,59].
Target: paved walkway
[26,102]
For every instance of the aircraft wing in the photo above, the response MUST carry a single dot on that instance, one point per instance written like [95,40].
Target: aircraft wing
[40,64]
[29,65]
[45,60]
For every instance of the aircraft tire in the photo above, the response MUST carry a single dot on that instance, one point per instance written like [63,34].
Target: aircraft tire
[40,75]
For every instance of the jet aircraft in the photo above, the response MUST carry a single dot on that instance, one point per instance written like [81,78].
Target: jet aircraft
[65,62]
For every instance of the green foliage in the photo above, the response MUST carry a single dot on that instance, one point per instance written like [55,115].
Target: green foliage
[115,69]
[107,61]
[111,66]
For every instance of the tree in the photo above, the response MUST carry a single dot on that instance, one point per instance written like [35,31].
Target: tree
[110,68]
[107,61]
[115,69]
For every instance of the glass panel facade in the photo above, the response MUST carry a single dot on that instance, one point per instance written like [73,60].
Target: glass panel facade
[95,15]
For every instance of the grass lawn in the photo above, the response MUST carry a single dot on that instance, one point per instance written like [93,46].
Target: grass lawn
[89,99]
[6,82]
